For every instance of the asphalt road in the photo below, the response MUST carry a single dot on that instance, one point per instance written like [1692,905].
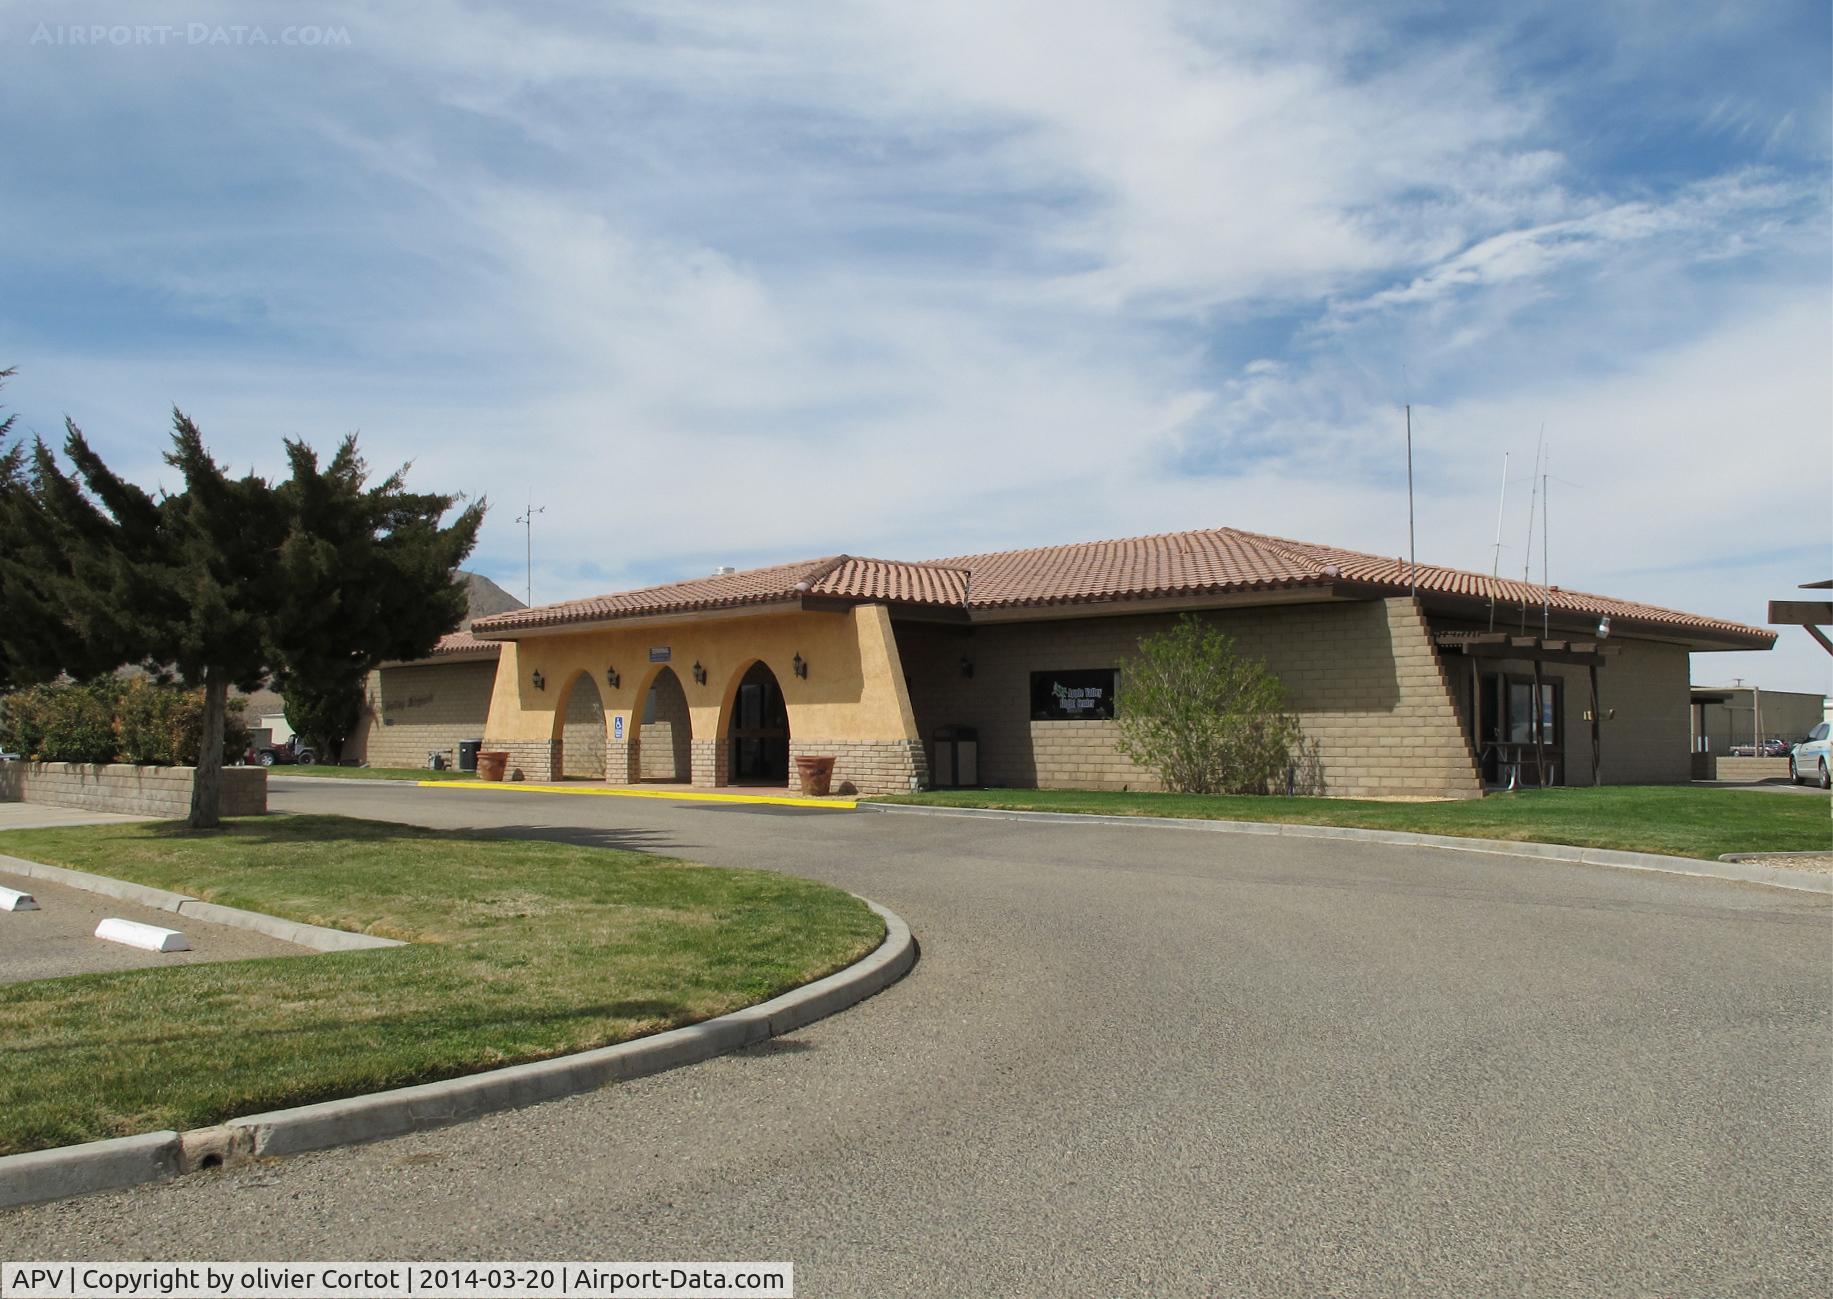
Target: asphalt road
[1140,1061]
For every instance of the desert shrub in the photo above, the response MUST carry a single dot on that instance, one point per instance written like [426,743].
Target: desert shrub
[147,722]
[1207,718]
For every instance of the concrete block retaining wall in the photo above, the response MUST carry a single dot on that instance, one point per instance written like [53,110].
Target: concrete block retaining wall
[163,792]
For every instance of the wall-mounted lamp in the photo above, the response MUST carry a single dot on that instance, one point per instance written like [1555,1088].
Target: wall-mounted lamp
[699,674]
[612,679]
[967,666]
[1604,627]
[800,667]
[539,680]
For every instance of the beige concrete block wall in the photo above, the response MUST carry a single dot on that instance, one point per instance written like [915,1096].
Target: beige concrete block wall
[666,744]
[412,711]
[582,750]
[1363,678]
[163,792]
[866,766]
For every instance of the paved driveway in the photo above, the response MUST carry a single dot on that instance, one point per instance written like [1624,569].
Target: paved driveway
[1138,1061]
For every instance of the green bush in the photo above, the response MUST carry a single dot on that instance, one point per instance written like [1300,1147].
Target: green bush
[110,719]
[1207,719]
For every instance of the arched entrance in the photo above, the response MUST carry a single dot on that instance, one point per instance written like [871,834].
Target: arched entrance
[664,732]
[757,734]
[582,731]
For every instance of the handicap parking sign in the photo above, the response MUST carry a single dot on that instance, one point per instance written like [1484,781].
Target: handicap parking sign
[617,728]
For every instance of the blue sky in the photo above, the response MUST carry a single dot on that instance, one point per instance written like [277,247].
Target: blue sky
[733,283]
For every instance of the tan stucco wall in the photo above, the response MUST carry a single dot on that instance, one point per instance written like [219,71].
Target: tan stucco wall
[409,712]
[1363,678]
[853,692]
[1645,727]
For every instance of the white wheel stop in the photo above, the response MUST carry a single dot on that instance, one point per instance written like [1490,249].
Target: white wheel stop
[135,934]
[14,900]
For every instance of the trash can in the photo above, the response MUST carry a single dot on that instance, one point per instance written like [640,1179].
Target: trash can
[956,760]
[817,776]
[467,754]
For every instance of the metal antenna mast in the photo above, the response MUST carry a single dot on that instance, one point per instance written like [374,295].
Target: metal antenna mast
[1495,567]
[1546,592]
[1412,550]
[1527,558]
[527,520]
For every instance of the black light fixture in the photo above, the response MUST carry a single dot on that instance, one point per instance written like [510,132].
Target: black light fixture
[539,680]
[800,667]
[699,674]
[612,679]
[967,666]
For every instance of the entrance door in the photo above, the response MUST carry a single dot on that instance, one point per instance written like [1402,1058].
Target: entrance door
[1510,746]
[760,730]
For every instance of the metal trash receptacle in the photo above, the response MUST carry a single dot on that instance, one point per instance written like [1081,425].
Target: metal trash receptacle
[955,761]
[467,754]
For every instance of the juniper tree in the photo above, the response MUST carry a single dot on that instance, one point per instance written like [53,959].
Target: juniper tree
[228,582]
[366,577]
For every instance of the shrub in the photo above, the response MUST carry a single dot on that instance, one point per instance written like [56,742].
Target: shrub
[146,722]
[1206,718]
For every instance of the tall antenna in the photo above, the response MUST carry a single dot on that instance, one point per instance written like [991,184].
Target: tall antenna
[1495,567]
[1546,592]
[1412,552]
[527,520]
[1527,556]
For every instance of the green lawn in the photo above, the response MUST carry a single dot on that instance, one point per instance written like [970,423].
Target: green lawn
[1673,819]
[521,950]
[375,773]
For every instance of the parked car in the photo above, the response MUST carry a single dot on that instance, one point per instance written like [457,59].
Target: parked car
[293,751]
[1810,761]
[1767,749]
[8,757]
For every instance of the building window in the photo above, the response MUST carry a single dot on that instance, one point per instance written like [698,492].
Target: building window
[1084,694]
[649,706]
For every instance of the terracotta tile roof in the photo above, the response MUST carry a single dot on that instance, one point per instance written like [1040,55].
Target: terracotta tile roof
[1213,561]
[463,642]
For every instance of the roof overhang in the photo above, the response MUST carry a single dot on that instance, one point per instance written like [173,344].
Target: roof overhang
[1703,639]
[726,614]
[1125,606]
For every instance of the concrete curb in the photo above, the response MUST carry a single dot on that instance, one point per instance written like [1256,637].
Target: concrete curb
[83,1170]
[1740,872]
[158,1156]
[317,937]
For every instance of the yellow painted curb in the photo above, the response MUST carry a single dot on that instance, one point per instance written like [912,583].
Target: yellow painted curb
[775,800]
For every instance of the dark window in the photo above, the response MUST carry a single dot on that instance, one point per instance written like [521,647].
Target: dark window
[649,706]
[1080,695]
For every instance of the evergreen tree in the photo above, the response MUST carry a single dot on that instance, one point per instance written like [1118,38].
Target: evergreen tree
[228,582]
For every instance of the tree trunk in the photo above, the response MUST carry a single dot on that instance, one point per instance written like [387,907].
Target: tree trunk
[207,780]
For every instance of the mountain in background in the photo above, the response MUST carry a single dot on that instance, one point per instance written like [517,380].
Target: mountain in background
[483,598]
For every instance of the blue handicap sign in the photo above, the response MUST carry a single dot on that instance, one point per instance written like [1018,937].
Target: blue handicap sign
[617,728]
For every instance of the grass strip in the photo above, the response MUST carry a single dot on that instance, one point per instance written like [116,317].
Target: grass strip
[522,950]
[374,773]
[1673,819]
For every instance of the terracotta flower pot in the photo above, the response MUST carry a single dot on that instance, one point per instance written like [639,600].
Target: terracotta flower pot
[491,765]
[816,774]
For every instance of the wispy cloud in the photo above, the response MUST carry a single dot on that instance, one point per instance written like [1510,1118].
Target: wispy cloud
[732,282]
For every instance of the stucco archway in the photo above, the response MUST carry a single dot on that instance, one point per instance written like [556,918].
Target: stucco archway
[754,728]
[579,725]
[664,731]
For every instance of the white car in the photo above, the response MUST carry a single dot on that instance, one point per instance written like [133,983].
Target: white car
[1809,761]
